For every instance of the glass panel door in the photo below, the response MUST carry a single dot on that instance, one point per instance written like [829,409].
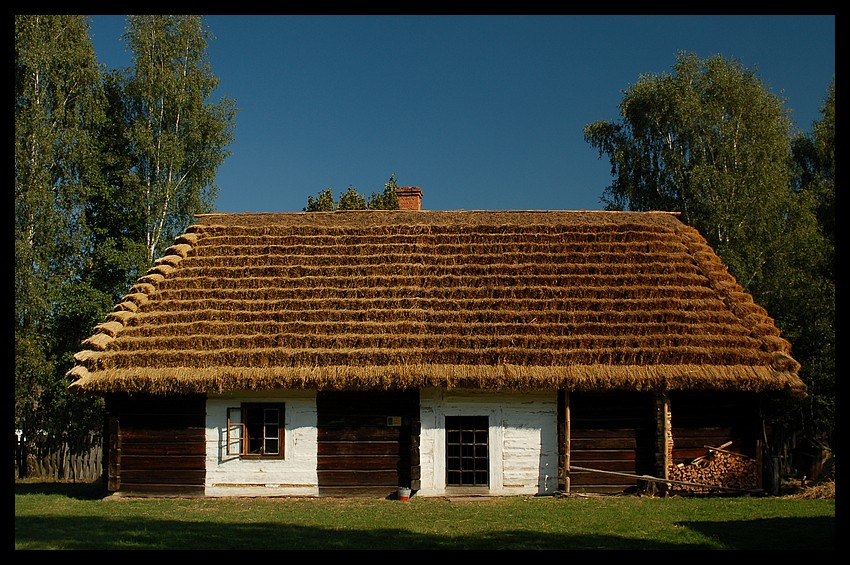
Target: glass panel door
[467,451]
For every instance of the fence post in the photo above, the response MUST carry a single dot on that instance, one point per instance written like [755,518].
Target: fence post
[56,459]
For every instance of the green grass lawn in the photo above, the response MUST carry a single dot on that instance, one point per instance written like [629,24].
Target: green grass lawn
[78,516]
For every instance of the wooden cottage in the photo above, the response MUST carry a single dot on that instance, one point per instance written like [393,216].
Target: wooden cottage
[491,352]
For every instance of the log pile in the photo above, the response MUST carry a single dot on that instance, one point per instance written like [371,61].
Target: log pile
[717,468]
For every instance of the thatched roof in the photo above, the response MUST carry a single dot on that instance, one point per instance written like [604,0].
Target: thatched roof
[389,299]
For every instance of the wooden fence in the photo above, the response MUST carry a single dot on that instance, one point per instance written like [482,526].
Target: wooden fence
[52,458]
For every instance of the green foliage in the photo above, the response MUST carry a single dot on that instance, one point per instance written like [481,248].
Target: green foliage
[115,210]
[805,292]
[814,157]
[353,200]
[324,202]
[177,137]
[58,106]
[710,142]
[386,200]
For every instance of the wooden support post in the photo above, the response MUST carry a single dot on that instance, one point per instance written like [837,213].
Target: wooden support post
[563,441]
[114,455]
[664,436]
[568,436]
[415,464]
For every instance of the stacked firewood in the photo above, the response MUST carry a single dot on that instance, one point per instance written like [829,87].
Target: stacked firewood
[717,468]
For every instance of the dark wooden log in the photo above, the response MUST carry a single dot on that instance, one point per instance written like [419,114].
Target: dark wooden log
[367,440]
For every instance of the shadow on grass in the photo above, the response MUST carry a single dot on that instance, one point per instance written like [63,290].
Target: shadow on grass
[78,491]
[139,532]
[75,533]
[771,533]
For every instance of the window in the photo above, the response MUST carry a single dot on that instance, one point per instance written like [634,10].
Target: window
[467,459]
[255,429]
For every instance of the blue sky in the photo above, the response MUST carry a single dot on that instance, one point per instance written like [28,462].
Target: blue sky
[481,112]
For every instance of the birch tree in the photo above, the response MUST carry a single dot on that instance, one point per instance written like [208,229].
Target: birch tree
[177,135]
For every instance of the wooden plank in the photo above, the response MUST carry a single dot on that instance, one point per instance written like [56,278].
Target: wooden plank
[613,443]
[161,490]
[603,454]
[368,402]
[705,409]
[361,463]
[365,421]
[698,442]
[621,466]
[160,421]
[361,448]
[146,476]
[690,433]
[602,489]
[195,448]
[618,432]
[354,478]
[138,434]
[159,462]
[359,491]
[578,479]
[155,403]
[356,433]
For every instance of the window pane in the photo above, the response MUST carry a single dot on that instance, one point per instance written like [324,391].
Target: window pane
[272,447]
[255,445]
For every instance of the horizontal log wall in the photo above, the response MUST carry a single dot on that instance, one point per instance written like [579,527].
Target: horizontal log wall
[727,421]
[361,452]
[610,432]
[157,444]
[712,419]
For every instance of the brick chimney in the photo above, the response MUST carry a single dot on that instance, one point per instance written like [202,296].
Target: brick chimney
[409,197]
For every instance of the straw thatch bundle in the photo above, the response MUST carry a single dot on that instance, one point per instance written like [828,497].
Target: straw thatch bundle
[397,299]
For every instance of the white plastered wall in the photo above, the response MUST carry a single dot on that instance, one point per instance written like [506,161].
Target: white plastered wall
[522,439]
[295,475]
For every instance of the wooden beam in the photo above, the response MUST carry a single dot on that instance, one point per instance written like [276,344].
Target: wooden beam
[667,434]
[661,480]
[568,433]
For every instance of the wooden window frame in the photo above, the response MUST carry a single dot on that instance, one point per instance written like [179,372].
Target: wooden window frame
[238,438]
